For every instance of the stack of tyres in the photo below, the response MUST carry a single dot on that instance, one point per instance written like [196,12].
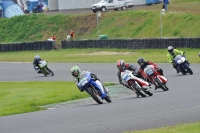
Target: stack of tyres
[20,46]
[49,45]
[3,47]
[35,45]
[43,45]
[7,47]
[12,47]
[63,43]
[16,46]
[0,47]
[31,45]
[24,46]
[40,45]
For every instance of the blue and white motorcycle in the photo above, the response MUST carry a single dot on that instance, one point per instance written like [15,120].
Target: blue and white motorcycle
[183,65]
[94,88]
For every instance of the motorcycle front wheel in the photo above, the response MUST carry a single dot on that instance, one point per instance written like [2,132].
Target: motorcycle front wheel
[94,94]
[161,84]
[189,70]
[108,98]
[50,72]
[138,90]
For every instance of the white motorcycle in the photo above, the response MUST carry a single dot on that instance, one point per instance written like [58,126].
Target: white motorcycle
[138,85]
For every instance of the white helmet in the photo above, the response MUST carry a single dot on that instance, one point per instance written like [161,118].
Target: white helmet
[170,49]
[37,57]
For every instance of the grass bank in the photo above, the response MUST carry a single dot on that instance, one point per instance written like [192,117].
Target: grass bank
[182,128]
[96,55]
[23,97]
[181,20]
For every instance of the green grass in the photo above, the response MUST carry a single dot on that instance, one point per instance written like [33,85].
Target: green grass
[23,97]
[181,20]
[182,128]
[96,55]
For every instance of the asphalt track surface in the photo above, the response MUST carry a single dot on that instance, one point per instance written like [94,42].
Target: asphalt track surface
[181,104]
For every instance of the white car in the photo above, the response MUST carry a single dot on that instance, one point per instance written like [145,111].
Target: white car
[104,5]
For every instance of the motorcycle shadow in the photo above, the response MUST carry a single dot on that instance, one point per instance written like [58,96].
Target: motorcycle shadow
[135,97]
[42,76]
[177,75]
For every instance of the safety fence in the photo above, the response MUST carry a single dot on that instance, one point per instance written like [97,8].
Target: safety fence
[134,43]
[110,43]
[40,45]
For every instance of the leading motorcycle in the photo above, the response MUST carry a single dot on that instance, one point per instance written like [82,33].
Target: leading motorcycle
[139,86]
[94,88]
[183,65]
[158,80]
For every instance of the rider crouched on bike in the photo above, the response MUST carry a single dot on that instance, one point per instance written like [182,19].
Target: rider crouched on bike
[76,72]
[172,53]
[36,61]
[122,66]
[143,64]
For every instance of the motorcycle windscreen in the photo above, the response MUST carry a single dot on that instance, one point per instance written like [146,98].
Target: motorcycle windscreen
[13,10]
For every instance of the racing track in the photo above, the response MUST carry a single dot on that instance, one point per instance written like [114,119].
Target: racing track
[181,104]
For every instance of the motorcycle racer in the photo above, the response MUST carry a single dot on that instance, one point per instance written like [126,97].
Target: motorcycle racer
[172,53]
[36,61]
[141,61]
[122,66]
[76,72]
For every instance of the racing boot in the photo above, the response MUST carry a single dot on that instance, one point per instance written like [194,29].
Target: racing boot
[177,71]
[156,87]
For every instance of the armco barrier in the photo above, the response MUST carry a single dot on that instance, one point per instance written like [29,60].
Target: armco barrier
[41,45]
[134,43]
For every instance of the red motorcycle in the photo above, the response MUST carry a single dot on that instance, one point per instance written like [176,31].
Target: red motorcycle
[158,80]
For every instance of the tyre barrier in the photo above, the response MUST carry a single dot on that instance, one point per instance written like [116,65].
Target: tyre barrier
[157,43]
[41,45]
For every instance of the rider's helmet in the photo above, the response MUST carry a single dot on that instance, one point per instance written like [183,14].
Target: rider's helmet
[121,65]
[76,71]
[37,57]
[141,61]
[170,49]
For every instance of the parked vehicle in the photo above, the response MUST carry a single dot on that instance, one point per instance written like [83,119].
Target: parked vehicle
[139,86]
[104,5]
[183,65]
[45,69]
[158,80]
[94,88]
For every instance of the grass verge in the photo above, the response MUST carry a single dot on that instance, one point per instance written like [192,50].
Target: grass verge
[96,55]
[23,97]
[183,128]
[181,20]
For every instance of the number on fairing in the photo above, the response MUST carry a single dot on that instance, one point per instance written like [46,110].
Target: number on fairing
[126,77]
[43,63]
[150,71]
[83,81]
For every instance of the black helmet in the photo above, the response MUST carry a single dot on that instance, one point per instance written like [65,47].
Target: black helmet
[141,61]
